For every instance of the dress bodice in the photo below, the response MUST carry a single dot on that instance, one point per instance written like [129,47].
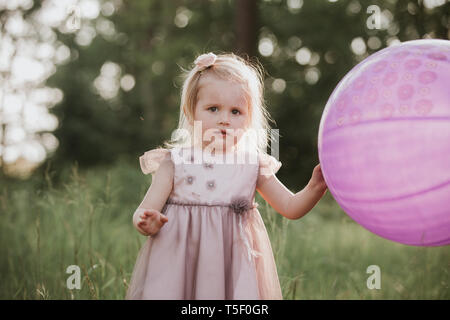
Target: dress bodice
[202,178]
[205,179]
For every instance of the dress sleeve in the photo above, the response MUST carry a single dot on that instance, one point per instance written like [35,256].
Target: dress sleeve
[268,165]
[151,160]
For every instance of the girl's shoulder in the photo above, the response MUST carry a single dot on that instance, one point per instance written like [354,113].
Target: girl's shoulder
[268,164]
[152,159]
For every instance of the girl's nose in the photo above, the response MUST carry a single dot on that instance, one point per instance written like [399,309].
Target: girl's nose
[224,119]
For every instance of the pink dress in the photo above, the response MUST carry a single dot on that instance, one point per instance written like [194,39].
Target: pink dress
[215,244]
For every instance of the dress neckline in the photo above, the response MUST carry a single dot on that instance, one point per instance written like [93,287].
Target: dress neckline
[192,152]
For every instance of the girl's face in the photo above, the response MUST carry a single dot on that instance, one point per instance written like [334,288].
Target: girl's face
[221,107]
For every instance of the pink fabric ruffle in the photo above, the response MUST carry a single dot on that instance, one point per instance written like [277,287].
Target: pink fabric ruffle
[151,160]
[268,164]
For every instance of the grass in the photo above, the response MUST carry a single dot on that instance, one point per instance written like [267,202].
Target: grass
[86,221]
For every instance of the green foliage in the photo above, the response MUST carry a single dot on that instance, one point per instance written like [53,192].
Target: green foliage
[86,221]
[151,47]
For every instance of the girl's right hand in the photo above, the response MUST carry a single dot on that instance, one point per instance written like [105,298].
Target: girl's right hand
[150,221]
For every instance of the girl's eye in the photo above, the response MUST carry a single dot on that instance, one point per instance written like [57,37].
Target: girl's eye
[238,112]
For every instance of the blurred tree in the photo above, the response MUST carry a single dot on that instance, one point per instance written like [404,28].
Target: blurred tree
[154,40]
[122,88]
[315,43]
[246,27]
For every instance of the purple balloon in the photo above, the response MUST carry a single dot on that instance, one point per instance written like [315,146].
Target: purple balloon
[384,143]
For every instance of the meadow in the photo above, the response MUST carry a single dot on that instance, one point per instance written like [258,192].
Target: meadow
[86,221]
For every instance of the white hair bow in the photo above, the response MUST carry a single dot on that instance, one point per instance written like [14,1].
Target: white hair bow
[205,60]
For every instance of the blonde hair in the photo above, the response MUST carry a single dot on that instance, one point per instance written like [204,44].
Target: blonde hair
[227,66]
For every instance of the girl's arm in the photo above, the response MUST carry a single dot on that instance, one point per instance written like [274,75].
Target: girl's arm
[292,206]
[159,191]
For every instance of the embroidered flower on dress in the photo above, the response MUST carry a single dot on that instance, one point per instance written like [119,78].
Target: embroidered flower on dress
[211,184]
[190,179]
[241,204]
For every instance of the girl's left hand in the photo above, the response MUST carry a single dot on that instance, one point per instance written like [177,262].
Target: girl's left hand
[317,182]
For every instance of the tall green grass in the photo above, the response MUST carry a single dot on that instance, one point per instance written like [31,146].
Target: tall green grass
[86,221]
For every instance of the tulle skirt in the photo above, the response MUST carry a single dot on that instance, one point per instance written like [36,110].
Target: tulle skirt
[206,252]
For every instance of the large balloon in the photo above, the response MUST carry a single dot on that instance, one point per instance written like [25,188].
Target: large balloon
[384,143]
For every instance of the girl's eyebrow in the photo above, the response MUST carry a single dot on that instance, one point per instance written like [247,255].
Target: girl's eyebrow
[219,105]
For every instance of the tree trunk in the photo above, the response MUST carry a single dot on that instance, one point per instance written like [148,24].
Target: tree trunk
[246,27]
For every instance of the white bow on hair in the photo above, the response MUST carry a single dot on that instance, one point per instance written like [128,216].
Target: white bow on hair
[205,60]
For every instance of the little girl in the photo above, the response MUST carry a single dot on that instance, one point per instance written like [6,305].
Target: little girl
[206,238]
